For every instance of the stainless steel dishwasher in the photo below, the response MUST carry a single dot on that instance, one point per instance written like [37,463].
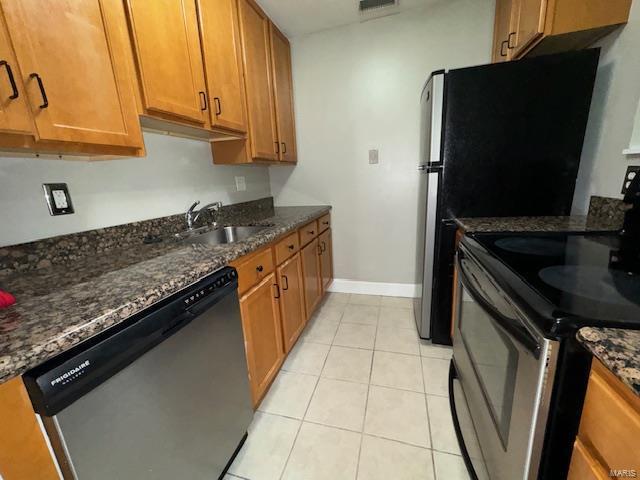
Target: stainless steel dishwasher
[164,395]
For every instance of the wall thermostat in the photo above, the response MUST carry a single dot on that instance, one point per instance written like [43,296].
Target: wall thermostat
[58,198]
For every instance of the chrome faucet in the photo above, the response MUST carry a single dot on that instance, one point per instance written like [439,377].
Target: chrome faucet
[192,215]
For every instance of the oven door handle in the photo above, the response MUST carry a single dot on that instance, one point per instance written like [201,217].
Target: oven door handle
[510,327]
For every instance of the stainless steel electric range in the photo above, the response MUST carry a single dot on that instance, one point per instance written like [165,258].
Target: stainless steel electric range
[518,373]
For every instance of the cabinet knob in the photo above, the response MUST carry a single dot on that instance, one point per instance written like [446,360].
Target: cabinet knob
[218,104]
[286,283]
[277,147]
[310,232]
[203,101]
[509,46]
[259,268]
[502,45]
[284,147]
[12,80]
[291,247]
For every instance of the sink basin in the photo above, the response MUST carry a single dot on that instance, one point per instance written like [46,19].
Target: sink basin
[220,235]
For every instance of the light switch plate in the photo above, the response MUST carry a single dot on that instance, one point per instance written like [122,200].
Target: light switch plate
[628,176]
[373,157]
[241,184]
[58,198]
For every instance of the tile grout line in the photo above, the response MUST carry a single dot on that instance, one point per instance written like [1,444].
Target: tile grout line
[284,468]
[426,405]
[366,403]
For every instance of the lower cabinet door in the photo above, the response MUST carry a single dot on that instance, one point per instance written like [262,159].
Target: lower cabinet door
[584,466]
[311,276]
[326,259]
[291,300]
[262,334]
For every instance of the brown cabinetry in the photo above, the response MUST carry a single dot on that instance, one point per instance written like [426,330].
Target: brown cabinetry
[24,453]
[537,27]
[311,276]
[291,300]
[167,51]
[14,112]
[609,428]
[268,85]
[503,33]
[74,71]
[263,335]
[280,286]
[326,259]
[222,53]
[283,94]
[254,28]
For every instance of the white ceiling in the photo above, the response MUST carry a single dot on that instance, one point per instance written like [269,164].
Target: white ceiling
[300,17]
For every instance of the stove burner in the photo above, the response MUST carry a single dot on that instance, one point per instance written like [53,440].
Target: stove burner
[547,247]
[595,283]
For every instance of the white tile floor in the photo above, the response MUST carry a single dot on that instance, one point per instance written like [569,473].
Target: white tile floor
[359,397]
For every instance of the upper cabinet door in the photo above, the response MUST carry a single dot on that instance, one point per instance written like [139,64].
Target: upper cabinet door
[283,91]
[167,47]
[72,57]
[222,51]
[14,112]
[503,38]
[529,17]
[254,28]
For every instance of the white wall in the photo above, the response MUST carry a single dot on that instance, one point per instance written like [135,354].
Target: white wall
[174,173]
[358,88]
[613,109]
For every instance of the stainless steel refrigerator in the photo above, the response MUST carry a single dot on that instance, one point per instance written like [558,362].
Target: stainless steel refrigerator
[496,140]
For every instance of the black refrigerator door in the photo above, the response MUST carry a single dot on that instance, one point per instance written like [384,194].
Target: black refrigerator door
[513,135]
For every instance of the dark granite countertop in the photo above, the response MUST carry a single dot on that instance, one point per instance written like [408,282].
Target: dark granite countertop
[617,349]
[62,305]
[572,223]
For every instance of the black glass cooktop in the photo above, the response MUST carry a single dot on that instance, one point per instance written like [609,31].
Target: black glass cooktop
[572,272]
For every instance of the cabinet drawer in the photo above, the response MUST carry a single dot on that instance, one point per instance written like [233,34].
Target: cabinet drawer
[253,268]
[611,420]
[324,222]
[308,232]
[287,247]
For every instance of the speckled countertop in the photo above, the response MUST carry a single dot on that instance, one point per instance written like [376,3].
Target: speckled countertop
[572,223]
[60,306]
[617,349]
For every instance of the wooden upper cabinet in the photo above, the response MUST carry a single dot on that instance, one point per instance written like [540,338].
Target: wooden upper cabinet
[283,93]
[501,32]
[14,111]
[539,27]
[529,17]
[72,58]
[254,28]
[222,53]
[167,49]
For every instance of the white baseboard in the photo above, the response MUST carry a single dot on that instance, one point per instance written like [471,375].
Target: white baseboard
[342,285]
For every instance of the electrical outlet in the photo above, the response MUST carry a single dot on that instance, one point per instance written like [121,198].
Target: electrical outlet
[373,157]
[241,184]
[630,175]
[58,198]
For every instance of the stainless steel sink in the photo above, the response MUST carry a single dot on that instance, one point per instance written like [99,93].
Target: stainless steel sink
[220,235]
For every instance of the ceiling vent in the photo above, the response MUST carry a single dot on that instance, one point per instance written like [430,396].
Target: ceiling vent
[377,8]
